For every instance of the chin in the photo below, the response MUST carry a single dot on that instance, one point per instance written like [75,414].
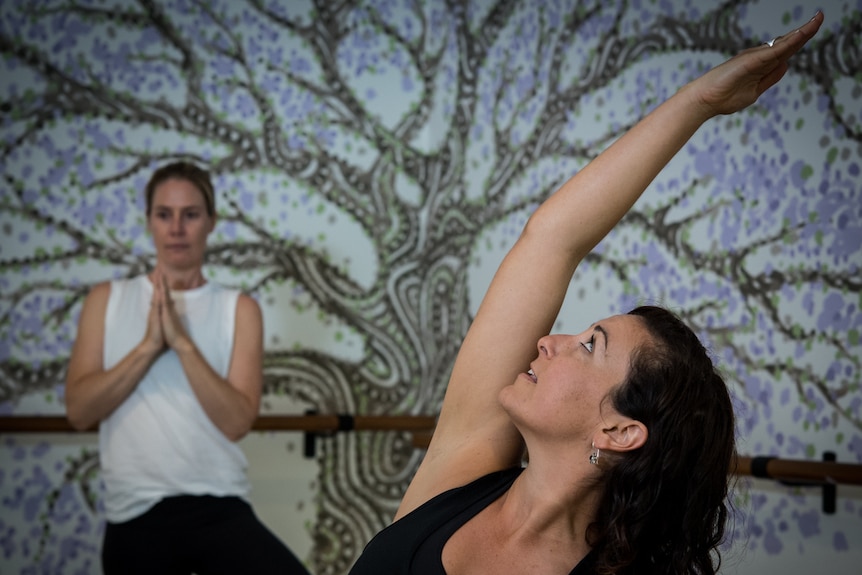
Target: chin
[508,400]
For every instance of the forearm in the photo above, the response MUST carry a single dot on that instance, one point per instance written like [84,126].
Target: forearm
[528,289]
[93,397]
[593,201]
[232,411]
[576,217]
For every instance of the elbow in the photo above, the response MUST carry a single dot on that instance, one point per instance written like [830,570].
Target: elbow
[243,425]
[240,428]
[238,433]
[77,416]
[543,234]
[236,436]
[78,421]
[73,415]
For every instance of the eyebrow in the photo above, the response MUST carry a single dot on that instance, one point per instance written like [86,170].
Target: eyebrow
[178,208]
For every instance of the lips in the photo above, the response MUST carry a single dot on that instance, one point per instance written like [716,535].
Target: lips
[532,375]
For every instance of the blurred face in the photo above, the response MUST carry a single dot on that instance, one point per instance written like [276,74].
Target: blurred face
[179,224]
[564,393]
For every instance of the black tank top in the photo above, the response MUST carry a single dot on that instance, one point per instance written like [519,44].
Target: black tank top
[413,545]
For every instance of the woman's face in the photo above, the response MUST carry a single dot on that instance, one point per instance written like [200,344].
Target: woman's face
[179,224]
[564,394]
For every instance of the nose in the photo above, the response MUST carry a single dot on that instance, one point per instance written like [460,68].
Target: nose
[547,346]
[176,225]
[551,345]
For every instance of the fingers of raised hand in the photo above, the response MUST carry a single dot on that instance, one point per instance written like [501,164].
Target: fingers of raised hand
[792,41]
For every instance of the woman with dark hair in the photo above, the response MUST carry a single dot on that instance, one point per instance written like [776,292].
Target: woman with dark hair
[169,366]
[628,427]
[675,488]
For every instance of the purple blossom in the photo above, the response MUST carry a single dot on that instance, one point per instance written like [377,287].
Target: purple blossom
[855,446]
[771,541]
[839,541]
[809,523]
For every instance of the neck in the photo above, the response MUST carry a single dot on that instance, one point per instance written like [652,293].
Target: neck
[555,498]
[182,279]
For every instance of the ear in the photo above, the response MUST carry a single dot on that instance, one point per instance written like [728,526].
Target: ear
[629,434]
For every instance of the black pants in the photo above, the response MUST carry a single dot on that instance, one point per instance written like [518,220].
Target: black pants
[204,535]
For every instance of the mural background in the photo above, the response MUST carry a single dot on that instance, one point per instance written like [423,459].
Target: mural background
[373,161]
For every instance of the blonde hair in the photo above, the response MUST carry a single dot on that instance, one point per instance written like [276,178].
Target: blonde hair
[189,172]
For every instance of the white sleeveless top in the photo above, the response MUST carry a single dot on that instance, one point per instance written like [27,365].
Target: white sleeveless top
[159,441]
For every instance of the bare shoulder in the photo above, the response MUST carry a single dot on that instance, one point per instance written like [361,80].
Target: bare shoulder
[96,301]
[100,291]
[247,305]
[248,326]
[249,317]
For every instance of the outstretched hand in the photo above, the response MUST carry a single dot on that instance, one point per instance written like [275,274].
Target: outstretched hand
[738,82]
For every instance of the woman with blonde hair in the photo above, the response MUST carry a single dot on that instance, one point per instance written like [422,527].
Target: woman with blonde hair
[169,366]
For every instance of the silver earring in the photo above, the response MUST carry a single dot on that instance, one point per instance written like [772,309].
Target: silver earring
[594,456]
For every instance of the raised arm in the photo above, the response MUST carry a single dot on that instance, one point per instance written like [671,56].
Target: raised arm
[473,435]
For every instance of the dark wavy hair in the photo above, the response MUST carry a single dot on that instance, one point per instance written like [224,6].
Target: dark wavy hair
[187,171]
[666,504]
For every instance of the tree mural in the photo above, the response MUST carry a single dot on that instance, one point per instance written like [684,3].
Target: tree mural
[372,158]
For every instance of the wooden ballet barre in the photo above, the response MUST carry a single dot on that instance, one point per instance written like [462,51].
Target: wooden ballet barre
[342,422]
[314,423]
[799,471]
[422,427]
